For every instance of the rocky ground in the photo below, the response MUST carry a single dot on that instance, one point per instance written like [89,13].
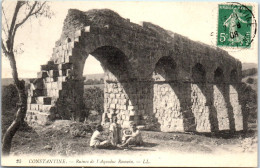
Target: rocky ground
[66,138]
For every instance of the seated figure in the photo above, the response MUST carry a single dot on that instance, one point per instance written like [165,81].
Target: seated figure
[131,136]
[97,140]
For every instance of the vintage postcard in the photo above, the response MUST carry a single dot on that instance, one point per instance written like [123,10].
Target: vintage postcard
[137,84]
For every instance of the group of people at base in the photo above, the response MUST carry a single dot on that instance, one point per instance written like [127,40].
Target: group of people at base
[130,137]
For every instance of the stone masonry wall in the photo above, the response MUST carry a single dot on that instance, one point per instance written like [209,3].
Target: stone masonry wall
[237,109]
[128,101]
[200,109]
[167,108]
[58,91]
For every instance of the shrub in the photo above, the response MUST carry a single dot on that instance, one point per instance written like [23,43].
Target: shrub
[80,129]
[250,80]
[9,97]
[249,72]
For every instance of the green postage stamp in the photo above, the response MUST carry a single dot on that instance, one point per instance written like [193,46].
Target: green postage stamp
[234,25]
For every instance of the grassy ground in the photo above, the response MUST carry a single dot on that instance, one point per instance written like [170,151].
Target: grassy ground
[56,139]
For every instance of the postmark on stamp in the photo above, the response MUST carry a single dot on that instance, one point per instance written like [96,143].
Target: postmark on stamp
[235,25]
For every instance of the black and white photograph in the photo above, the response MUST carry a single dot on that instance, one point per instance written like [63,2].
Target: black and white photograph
[129,83]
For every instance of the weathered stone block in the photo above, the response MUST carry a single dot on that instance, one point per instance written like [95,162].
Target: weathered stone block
[38,92]
[87,29]
[49,67]
[28,106]
[63,85]
[65,66]
[54,73]
[42,74]
[113,106]
[133,112]
[34,107]
[48,80]
[44,100]
[54,85]
[62,72]
[39,84]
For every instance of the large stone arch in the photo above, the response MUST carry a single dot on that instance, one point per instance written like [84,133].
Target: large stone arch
[130,54]
[118,90]
[170,106]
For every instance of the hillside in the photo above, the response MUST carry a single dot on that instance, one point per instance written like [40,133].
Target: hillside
[8,81]
[250,75]
[251,81]
[249,66]
[94,76]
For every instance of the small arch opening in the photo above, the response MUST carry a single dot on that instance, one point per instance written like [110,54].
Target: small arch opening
[218,76]
[114,61]
[165,70]
[198,73]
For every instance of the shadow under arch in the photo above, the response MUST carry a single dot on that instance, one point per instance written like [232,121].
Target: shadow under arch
[221,101]
[198,74]
[239,120]
[165,69]
[205,115]
[171,107]
[123,96]
[113,61]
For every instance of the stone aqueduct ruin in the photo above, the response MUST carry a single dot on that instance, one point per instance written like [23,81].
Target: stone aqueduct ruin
[153,77]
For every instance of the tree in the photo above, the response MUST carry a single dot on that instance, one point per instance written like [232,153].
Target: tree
[94,99]
[89,82]
[23,11]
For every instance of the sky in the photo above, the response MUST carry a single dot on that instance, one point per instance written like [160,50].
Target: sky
[195,20]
